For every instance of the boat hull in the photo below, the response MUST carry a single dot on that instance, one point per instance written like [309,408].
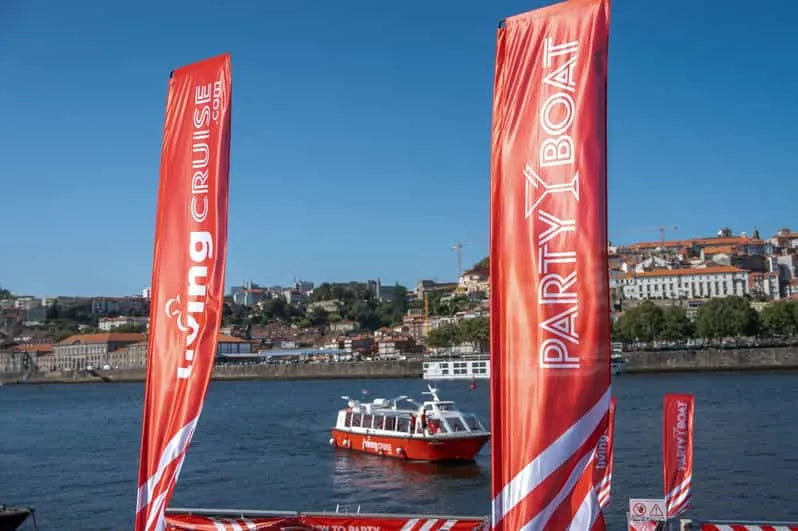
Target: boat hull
[12,517]
[416,449]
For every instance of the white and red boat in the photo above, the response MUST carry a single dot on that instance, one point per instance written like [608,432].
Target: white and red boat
[434,430]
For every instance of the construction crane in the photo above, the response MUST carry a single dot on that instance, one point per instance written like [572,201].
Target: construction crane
[662,229]
[458,248]
[662,232]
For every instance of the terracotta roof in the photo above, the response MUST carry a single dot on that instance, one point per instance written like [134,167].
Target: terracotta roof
[110,337]
[39,348]
[224,338]
[687,271]
[701,242]
[718,249]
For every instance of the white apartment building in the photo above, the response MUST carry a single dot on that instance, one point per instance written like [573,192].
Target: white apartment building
[688,283]
[109,323]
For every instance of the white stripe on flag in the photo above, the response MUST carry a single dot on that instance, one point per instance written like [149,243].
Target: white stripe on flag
[541,519]
[541,467]
[680,486]
[587,513]
[154,515]
[250,524]
[448,525]
[674,505]
[410,524]
[676,508]
[176,446]
[604,498]
[155,511]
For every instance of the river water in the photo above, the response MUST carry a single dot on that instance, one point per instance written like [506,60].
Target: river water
[72,450]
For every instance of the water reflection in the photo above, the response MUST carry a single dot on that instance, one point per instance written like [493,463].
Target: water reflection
[362,477]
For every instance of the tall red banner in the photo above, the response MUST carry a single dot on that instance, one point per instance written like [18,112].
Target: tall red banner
[550,329]
[678,452]
[604,458]
[188,275]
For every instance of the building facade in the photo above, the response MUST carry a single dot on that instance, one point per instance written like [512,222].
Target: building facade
[687,283]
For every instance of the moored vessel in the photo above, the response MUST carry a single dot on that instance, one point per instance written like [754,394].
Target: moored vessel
[434,430]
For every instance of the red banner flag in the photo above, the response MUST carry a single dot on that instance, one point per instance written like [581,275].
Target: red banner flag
[603,461]
[188,275]
[191,522]
[550,329]
[678,452]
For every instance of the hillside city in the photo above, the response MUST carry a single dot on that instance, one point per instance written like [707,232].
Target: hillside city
[663,294]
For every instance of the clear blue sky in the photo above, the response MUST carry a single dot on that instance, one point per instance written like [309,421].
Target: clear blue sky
[361,131]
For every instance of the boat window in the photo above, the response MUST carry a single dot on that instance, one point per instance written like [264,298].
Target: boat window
[390,423]
[456,424]
[379,422]
[473,423]
[348,421]
[446,407]
[366,421]
[403,424]
[355,420]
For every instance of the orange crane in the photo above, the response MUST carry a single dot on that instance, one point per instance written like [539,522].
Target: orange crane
[426,314]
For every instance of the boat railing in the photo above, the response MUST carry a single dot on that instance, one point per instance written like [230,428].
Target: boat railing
[346,509]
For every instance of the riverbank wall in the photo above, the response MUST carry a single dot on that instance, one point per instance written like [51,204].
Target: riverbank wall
[298,371]
[738,359]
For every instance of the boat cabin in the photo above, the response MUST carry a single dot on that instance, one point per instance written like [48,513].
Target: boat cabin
[432,418]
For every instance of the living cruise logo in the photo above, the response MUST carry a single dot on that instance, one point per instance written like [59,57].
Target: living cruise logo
[188,310]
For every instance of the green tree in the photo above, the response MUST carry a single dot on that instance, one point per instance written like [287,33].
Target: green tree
[675,324]
[275,309]
[476,330]
[319,317]
[779,318]
[443,336]
[366,314]
[236,315]
[641,323]
[726,317]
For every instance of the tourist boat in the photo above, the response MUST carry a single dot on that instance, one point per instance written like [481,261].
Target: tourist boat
[434,430]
